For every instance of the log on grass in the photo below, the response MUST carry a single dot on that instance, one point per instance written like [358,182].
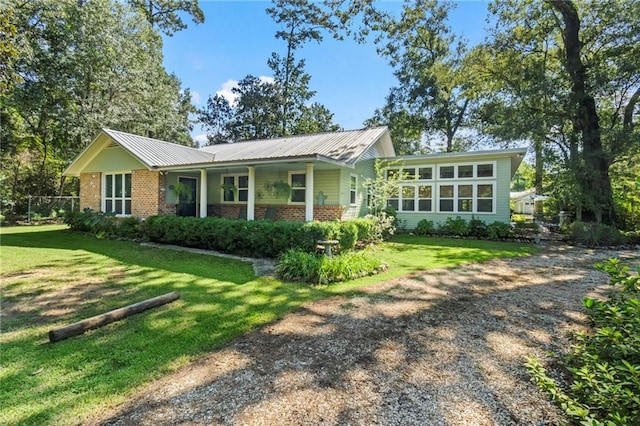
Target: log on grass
[109,317]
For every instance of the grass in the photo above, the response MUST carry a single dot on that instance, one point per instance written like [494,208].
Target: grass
[51,278]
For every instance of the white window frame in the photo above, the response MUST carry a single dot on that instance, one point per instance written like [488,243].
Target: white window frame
[353,190]
[416,197]
[414,170]
[236,183]
[297,172]
[113,198]
[475,164]
[474,197]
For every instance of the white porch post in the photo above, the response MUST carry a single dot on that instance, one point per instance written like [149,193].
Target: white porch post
[203,193]
[251,197]
[308,196]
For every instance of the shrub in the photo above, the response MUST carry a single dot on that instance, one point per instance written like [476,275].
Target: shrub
[425,227]
[594,234]
[366,228]
[477,228]
[499,230]
[604,365]
[258,238]
[522,229]
[296,265]
[451,226]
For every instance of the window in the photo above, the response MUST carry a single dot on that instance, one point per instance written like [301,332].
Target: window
[485,170]
[465,171]
[425,173]
[298,184]
[467,198]
[235,188]
[447,172]
[353,189]
[485,198]
[425,196]
[411,198]
[117,193]
[446,198]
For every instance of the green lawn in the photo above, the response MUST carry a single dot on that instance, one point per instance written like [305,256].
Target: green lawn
[51,278]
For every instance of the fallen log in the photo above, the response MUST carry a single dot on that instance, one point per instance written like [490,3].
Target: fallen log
[109,317]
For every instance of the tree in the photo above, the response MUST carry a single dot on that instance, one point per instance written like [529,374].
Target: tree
[301,21]
[85,65]
[165,13]
[564,67]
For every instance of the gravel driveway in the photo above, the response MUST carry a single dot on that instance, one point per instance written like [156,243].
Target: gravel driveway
[441,348]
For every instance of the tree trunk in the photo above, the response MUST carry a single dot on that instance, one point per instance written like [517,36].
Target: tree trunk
[595,183]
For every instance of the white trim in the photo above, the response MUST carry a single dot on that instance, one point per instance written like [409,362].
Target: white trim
[416,196]
[296,172]
[203,193]
[353,189]
[456,167]
[236,183]
[113,198]
[474,197]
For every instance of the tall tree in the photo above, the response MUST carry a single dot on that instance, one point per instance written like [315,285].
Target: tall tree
[301,22]
[584,68]
[427,59]
[86,65]
[165,14]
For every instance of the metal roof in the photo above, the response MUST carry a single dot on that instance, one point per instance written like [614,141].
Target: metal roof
[157,153]
[344,146]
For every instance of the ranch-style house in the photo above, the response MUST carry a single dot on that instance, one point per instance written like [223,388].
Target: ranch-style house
[298,178]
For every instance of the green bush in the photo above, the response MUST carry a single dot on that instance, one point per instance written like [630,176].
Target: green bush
[296,265]
[425,227]
[594,234]
[454,227]
[477,228]
[499,230]
[604,365]
[257,238]
[366,228]
[523,229]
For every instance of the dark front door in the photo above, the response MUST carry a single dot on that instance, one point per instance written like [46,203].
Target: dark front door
[187,202]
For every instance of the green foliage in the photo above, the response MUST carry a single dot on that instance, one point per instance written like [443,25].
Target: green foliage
[525,229]
[605,364]
[594,234]
[256,238]
[104,225]
[296,265]
[499,230]
[425,227]
[366,227]
[454,227]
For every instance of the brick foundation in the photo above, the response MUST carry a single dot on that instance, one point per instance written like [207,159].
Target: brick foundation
[91,191]
[282,212]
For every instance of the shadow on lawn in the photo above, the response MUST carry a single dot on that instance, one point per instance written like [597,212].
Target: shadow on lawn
[423,350]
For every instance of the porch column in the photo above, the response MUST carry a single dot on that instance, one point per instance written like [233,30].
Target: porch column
[308,195]
[251,196]
[203,193]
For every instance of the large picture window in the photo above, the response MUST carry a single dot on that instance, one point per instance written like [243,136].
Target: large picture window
[235,188]
[117,193]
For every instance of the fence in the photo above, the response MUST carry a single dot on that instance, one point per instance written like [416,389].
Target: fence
[50,207]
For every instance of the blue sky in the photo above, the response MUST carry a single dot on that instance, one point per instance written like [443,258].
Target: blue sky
[237,38]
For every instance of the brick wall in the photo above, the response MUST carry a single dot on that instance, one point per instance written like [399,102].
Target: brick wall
[90,191]
[146,196]
[283,212]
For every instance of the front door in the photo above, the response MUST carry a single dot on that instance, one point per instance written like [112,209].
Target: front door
[187,202]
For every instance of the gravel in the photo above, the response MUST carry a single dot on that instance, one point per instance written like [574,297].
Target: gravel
[444,347]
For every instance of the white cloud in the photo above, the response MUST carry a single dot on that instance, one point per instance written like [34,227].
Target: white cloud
[201,139]
[226,92]
[227,86]
[195,98]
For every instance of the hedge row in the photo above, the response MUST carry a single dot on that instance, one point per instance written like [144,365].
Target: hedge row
[477,228]
[258,238]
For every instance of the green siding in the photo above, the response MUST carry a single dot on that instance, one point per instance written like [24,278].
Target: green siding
[364,170]
[113,159]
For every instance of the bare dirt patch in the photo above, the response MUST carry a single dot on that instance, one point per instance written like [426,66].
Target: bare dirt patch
[445,347]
